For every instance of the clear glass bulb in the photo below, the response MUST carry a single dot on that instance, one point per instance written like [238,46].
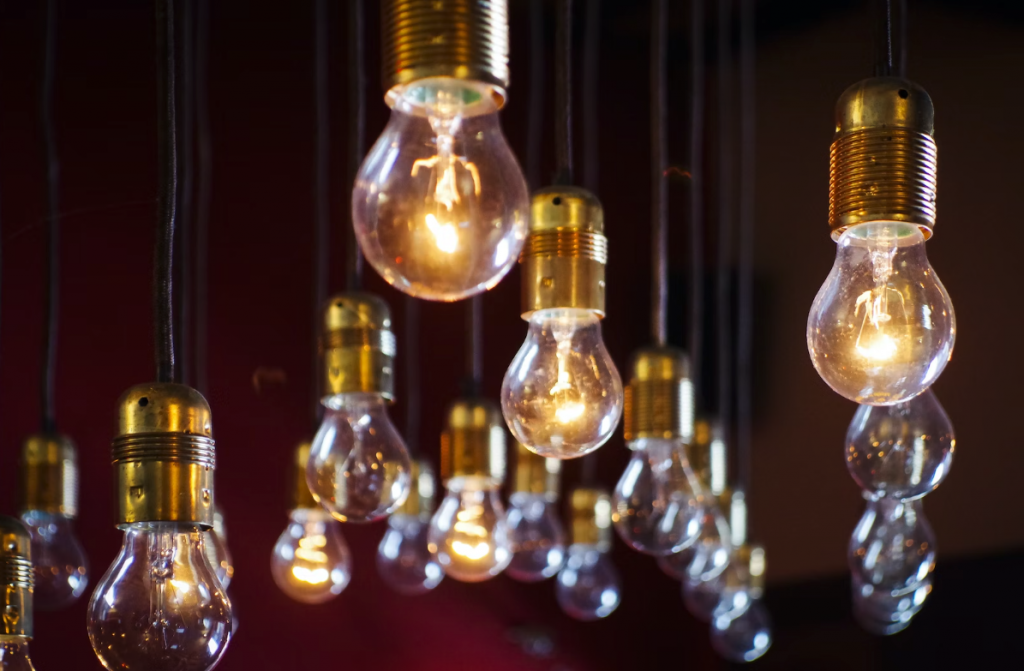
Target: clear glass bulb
[893,547]
[900,451]
[404,560]
[160,607]
[311,562]
[881,613]
[537,536]
[881,328]
[708,557]
[218,553]
[588,586]
[741,628]
[60,567]
[358,467]
[657,506]
[469,531]
[14,654]
[440,205]
[562,396]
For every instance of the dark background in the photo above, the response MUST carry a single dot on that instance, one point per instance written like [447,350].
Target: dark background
[968,55]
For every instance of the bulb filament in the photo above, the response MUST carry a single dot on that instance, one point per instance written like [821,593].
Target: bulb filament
[875,344]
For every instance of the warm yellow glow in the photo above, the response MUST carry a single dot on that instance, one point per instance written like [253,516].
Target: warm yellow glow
[470,551]
[881,348]
[446,236]
[569,412]
[314,576]
[567,409]
[310,549]
[446,192]
[872,340]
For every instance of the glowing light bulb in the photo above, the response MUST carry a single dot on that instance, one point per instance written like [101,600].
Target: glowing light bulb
[707,558]
[883,614]
[404,559]
[61,569]
[588,586]
[562,396]
[900,451]
[469,531]
[882,327]
[657,506]
[537,537]
[217,550]
[358,466]
[440,206]
[741,628]
[16,573]
[311,562]
[893,547]
[160,607]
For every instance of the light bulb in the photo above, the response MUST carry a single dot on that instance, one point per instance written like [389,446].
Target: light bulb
[893,547]
[358,466]
[311,562]
[16,573]
[469,531]
[217,550]
[160,607]
[61,569]
[901,451]
[881,328]
[537,537]
[741,628]
[562,396]
[883,614]
[588,586]
[657,506]
[14,654]
[404,560]
[440,206]
[708,557]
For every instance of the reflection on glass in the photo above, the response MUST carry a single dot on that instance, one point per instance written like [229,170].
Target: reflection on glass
[311,562]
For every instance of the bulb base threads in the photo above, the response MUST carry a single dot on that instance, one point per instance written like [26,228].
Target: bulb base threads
[565,253]
[49,475]
[592,517]
[473,441]
[659,397]
[883,163]
[164,456]
[357,346]
[461,39]
[536,474]
[420,502]
[16,579]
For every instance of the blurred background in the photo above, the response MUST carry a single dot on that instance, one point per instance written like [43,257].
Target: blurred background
[261,100]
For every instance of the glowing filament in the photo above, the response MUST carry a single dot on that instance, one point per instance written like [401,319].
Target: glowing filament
[469,551]
[446,190]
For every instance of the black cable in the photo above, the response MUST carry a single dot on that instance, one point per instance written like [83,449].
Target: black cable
[204,174]
[563,93]
[659,162]
[535,113]
[412,372]
[591,61]
[697,196]
[321,195]
[883,38]
[473,383]
[184,240]
[725,218]
[900,48]
[357,130]
[49,423]
[167,140]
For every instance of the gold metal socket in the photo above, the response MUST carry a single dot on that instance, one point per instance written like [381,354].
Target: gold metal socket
[883,158]
[420,502]
[357,346]
[536,474]
[164,456]
[592,518]
[301,497]
[461,39]
[565,253]
[708,457]
[659,397]
[49,475]
[473,441]
[15,578]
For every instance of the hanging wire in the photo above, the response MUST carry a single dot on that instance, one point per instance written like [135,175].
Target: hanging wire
[48,419]
[412,374]
[473,382]
[725,218]
[883,38]
[204,174]
[163,265]
[321,196]
[535,113]
[184,242]
[900,39]
[697,195]
[745,289]
[659,162]
[357,130]
[563,93]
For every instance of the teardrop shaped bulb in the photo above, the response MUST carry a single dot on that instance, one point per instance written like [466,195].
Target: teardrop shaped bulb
[537,537]
[893,547]
[61,570]
[469,531]
[404,560]
[588,586]
[311,562]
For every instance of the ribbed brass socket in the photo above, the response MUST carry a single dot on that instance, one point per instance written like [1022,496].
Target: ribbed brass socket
[592,518]
[164,456]
[707,455]
[536,474]
[358,346]
[301,497]
[659,398]
[565,252]
[49,475]
[883,159]
[461,39]
[421,499]
[473,441]
[15,578]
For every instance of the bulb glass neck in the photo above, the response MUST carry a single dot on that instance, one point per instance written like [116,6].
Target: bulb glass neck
[443,97]
[468,484]
[897,233]
[363,401]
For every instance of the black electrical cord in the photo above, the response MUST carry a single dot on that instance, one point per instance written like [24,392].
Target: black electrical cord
[357,130]
[883,38]
[591,61]
[473,383]
[535,113]
[48,419]
[186,190]
[725,218]
[659,162]
[204,174]
[563,93]
[167,139]
[412,374]
[321,195]
[696,344]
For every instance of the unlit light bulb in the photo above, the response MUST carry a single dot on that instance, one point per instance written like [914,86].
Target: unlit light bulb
[311,562]
[60,567]
[708,557]
[741,629]
[881,613]
[404,560]
[469,531]
[588,586]
[14,655]
[893,547]
[537,537]
[881,328]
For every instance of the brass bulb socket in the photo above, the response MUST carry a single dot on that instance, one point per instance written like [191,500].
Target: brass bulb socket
[659,397]
[707,455]
[536,474]
[49,475]
[591,511]
[164,456]
[16,578]
[301,497]
[420,502]
[565,253]
[460,39]
[883,160]
[473,441]
[357,346]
